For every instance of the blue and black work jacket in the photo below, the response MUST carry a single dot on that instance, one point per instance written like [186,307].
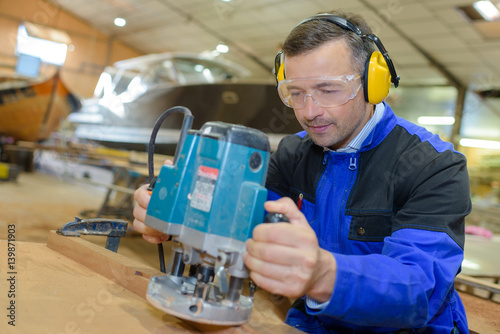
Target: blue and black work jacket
[392,214]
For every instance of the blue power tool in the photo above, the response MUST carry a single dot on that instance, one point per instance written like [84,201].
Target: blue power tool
[209,201]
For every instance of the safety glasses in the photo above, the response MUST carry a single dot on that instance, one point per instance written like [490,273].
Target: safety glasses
[326,91]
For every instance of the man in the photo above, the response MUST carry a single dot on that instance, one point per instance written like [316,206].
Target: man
[376,204]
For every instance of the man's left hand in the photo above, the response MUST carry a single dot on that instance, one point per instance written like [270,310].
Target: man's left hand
[285,258]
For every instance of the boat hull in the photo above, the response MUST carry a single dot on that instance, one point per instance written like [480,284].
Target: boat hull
[129,125]
[32,113]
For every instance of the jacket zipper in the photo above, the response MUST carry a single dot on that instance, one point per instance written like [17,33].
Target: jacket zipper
[353,166]
[320,189]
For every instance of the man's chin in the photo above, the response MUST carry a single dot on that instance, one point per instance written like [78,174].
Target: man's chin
[322,140]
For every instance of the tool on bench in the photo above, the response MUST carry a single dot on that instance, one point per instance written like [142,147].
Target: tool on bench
[114,229]
[209,201]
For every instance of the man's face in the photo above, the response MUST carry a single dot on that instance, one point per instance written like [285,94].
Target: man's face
[333,127]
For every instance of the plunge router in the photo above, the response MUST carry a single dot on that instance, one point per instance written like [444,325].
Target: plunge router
[209,201]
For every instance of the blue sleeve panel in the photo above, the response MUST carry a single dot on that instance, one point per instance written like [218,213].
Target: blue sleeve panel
[408,283]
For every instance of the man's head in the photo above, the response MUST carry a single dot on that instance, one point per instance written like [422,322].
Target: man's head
[309,35]
[324,65]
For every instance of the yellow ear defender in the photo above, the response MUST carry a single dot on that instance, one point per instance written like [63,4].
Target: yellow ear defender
[376,79]
[279,67]
[379,69]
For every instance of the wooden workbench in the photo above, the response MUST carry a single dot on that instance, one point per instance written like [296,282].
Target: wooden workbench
[71,285]
[100,292]
[129,168]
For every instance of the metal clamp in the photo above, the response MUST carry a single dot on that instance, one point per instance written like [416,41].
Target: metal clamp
[114,229]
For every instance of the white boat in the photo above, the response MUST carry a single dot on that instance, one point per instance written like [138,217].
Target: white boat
[131,95]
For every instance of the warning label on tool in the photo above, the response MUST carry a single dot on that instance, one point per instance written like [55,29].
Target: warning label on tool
[203,193]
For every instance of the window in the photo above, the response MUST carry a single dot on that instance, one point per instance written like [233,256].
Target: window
[48,51]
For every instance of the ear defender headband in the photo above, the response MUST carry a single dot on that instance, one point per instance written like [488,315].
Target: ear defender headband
[379,70]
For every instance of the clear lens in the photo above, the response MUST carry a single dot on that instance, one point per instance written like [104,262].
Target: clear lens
[325,91]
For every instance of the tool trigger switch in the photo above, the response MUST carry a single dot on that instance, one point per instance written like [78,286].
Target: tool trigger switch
[276,217]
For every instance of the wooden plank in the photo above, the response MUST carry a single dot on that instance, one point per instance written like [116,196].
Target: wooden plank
[125,190]
[267,315]
[128,273]
[478,283]
[100,156]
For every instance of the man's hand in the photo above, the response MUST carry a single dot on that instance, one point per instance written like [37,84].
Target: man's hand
[142,198]
[285,258]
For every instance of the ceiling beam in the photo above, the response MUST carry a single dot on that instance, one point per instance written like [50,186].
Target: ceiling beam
[454,81]
[215,34]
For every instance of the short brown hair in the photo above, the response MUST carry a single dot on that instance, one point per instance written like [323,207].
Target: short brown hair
[310,35]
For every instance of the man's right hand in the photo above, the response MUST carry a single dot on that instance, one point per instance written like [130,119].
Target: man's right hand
[142,198]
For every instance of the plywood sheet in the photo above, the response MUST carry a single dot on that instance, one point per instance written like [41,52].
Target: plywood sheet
[483,315]
[75,286]
[54,294]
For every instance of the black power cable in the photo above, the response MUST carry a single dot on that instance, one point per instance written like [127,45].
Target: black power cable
[186,125]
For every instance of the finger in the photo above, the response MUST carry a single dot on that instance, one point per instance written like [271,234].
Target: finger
[281,254]
[139,213]
[168,162]
[142,196]
[140,227]
[286,206]
[285,234]
[287,288]
[153,239]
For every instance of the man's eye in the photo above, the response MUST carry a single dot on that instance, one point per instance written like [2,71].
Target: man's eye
[296,93]
[329,91]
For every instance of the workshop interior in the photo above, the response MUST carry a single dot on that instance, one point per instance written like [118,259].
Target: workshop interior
[96,95]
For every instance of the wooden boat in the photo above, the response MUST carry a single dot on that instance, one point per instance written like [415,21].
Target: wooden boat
[32,111]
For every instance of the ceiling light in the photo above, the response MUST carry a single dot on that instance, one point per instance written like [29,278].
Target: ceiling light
[487,10]
[222,48]
[478,143]
[436,120]
[120,22]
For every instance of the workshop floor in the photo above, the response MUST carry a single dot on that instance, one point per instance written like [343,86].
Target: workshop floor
[39,202]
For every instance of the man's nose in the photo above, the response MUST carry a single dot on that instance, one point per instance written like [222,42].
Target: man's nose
[311,107]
